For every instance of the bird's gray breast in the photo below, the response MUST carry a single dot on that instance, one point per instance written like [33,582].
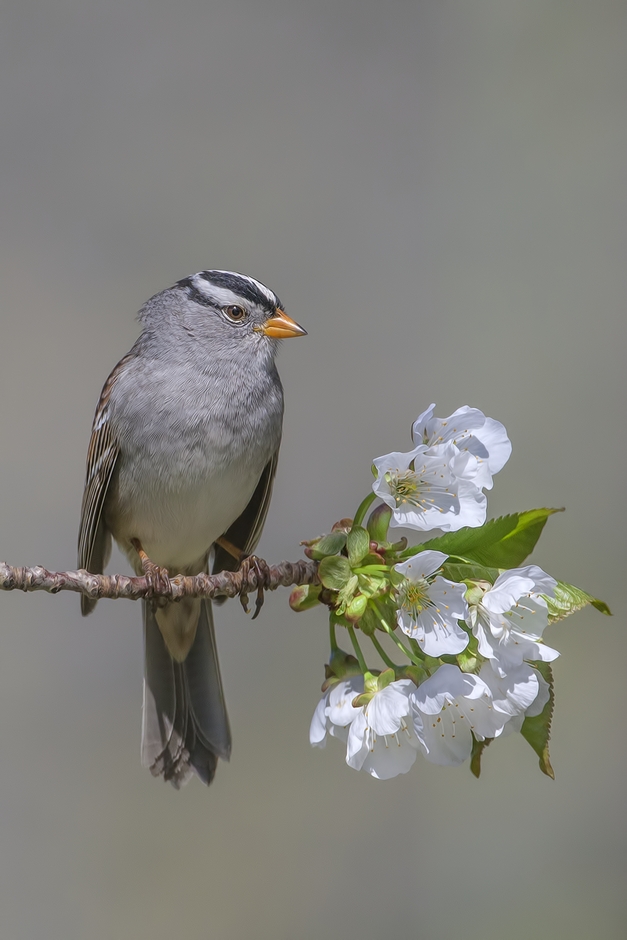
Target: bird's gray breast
[192,449]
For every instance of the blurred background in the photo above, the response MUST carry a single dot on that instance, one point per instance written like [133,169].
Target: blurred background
[437,192]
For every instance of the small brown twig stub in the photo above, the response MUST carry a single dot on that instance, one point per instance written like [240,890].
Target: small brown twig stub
[223,584]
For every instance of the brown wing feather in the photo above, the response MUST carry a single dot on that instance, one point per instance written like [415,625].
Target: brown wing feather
[93,539]
[246,530]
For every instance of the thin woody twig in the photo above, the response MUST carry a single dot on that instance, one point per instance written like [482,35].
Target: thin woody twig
[224,584]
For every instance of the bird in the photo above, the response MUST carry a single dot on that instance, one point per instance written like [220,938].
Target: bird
[180,468]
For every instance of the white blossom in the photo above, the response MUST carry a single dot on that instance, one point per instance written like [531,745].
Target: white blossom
[429,608]
[448,708]
[335,712]
[431,489]
[515,693]
[509,618]
[536,705]
[471,432]
[381,740]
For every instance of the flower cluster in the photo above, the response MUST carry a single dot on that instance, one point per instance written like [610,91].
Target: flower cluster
[462,610]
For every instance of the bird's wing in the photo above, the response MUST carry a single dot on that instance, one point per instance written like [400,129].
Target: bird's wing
[94,541]
[246,530]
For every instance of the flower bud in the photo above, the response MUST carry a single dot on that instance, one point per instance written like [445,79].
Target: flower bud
[305,596]
[344,525]
[379,522]
[356,609]
[475,592]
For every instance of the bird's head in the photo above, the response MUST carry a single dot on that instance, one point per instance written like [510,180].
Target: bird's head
[224,311]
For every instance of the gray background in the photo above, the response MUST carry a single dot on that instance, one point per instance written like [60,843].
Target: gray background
[437,192]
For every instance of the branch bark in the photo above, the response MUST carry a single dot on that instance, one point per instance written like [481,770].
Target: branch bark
[224,584]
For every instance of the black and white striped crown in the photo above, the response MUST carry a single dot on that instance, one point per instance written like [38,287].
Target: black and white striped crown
[220,288]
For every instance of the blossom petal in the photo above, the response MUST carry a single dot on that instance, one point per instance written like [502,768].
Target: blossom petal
[340,709]
[512,694]
[421,565]
[444,686]
[334,712]
[382,756]
[438,635]
[454,704]
[471,432]
[445,739]
[318,726]
[387,707]
[391,756]
[425,495]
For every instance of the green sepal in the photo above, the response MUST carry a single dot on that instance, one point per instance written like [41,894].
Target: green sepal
[356,608]
[371,687]
[357,545]
[416,673]
[372,558]
[395,577]
[432,664]
[460,571]
[415,648]
[334,571]
[379,523]
[340,665]
[500,543]
[385,607]
[329,544]
[304,597]
[478,747]
[537,730]
[385,678]
[372,586]
[346,594]
[568,599]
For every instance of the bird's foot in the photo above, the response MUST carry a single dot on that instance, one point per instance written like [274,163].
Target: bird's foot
[158,578]
[262,572]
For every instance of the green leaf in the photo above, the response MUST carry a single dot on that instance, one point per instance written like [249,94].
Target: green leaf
[478,747]
[357,544]
[458,571]
[568,599]
[329,544]
[334,571]
[499,543]
[537,730]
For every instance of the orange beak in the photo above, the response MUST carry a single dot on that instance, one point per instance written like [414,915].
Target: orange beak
[281,326]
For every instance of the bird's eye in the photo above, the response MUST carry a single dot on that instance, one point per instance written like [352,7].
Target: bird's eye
[235,313]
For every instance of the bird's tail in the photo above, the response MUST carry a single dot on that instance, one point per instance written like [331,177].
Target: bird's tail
[185,726]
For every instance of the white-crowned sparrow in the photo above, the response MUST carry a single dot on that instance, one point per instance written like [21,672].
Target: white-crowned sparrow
[183,452]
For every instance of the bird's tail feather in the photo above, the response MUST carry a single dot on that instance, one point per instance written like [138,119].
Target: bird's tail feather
[185,725]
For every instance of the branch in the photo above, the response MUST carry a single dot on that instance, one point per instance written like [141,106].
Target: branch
[224,584]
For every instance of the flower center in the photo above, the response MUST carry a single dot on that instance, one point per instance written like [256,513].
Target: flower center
[414,597]
[406,487]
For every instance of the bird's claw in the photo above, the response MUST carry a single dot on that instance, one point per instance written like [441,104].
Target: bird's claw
[157,577]
[262,573]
